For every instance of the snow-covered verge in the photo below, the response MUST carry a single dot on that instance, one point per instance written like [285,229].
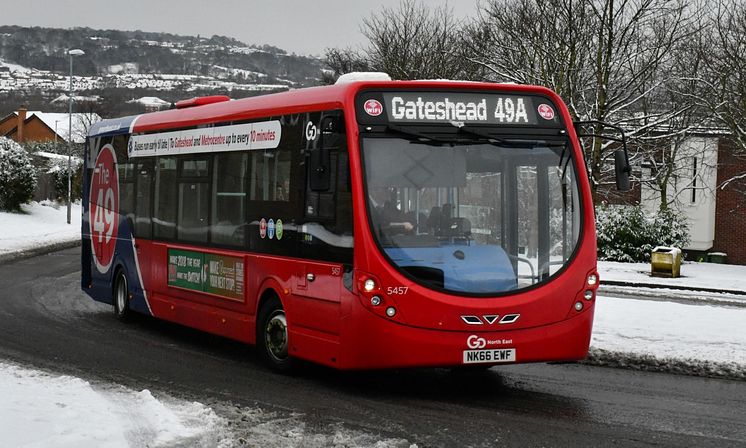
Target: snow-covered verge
[693,275]
[41,410]
[40,225]
[667,336]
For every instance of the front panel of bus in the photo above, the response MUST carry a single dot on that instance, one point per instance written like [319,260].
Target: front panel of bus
[478,244]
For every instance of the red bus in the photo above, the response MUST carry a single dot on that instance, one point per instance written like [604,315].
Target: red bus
[369,224]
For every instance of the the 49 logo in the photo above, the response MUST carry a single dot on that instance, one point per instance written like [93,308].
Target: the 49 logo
[475,341]
[104,208]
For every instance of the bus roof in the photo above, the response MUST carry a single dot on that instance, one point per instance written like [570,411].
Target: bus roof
[289,102]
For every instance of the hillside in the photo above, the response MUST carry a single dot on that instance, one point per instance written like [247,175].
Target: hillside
[120,65]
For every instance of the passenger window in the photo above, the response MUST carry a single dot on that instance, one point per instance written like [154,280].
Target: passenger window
[164,215]
[270,175]
[229,198]
[194,189]
[142,204]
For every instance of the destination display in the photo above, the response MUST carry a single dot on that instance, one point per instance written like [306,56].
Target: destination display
[239,137]
[456,107]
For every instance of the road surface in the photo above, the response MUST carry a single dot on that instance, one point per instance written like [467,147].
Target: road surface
[47,322]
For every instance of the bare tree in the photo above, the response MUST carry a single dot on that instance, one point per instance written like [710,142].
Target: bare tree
[676,153]
[412,41]
[724,53]
[604,57]
[340,61]
[723,78]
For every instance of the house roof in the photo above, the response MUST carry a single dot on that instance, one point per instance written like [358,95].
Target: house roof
[59,123]
[150,101]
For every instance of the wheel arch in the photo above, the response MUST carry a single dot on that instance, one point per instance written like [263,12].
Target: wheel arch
[269,288]
[115,270]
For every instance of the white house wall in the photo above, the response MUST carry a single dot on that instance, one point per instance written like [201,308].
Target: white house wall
[700,213]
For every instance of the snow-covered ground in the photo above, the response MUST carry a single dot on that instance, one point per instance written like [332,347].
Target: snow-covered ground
[42,410]
[663,329]
[38,409]
[693,275]
[699,282]
[39,225]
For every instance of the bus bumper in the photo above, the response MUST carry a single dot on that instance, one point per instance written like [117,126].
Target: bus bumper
[373,343]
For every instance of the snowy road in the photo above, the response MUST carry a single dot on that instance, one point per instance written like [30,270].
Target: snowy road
[46,321]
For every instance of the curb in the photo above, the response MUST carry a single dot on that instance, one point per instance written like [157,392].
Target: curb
[676,287]
[23,254]
[687,296]
[649,363]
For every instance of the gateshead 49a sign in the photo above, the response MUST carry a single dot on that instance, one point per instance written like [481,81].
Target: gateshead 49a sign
[104,208]
[490,108]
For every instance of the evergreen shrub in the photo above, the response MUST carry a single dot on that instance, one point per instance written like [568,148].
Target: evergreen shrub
[629,233]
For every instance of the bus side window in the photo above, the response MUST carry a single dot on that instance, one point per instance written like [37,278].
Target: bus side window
[164,212]
[230,172]
[194,188]
[144,182]
[328,200]
[126,173]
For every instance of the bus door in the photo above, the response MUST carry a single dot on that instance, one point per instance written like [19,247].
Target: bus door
[325,229]
[539,220]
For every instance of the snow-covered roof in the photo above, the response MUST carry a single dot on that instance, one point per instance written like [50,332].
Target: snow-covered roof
[14,67]
[59,123]
[77,98]
[151,101]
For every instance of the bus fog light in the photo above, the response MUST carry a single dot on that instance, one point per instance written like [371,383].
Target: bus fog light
[592,279]
[588,294]
[578,306]
[375,300]
[369,285]
[391,311]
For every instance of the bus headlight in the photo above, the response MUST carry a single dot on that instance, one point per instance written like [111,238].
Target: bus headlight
[578,306]
[391,311]
[588,295]
[375,300]
[369,285]
[592,279]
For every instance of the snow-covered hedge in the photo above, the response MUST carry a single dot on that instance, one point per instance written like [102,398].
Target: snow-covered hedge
[17,175]
[629,234]
[59,175]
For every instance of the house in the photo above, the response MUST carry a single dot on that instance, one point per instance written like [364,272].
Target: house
[151,103]
[707,189]
[24,126]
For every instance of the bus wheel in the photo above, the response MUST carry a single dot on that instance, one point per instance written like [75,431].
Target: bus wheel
[272,336]
[121,297]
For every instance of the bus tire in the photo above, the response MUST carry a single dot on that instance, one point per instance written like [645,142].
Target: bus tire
[272,336]
[121,297]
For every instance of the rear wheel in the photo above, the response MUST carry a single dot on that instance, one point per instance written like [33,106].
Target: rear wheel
[121,297]
[272,336]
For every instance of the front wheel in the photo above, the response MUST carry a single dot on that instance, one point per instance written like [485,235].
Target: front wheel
[272,336]
[121,297]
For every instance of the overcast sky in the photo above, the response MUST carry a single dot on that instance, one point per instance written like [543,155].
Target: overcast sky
[300,26]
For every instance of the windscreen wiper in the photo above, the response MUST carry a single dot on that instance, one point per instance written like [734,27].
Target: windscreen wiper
[497,141]
[421,138]
[494,140]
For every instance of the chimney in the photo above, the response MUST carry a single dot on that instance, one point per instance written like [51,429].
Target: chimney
[21,119]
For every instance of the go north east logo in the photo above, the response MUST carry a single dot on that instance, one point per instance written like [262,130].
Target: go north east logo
[475,341]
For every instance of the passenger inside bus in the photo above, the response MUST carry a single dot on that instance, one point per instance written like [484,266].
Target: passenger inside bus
[388,218]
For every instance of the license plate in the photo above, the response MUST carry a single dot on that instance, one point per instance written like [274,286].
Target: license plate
[490,355]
